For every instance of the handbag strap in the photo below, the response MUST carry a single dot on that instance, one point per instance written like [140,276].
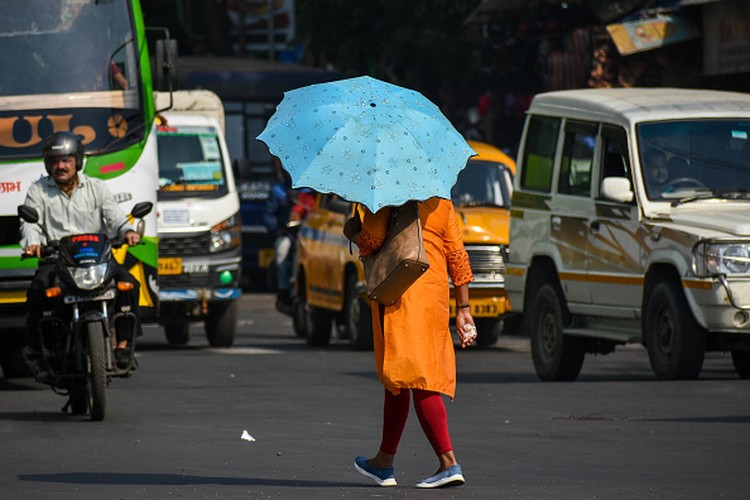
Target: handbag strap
[419,229]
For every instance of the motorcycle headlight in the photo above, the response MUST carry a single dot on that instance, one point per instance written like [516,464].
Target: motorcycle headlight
[89,278]
[722,258]
[226,235]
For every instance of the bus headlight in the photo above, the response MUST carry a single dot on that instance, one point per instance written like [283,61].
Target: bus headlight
[710,259]
[226,235]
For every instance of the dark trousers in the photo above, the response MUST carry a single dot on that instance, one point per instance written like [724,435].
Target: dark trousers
[37,302]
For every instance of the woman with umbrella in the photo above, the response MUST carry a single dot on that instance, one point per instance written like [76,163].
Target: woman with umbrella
[413,346]
[382,145]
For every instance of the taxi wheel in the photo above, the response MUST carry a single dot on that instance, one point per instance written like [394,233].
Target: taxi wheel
[317,325]
[358,318]
[488,331]
[299,303]
[557,357]
[298,318]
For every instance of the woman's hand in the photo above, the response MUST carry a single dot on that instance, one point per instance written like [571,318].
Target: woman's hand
[463,319]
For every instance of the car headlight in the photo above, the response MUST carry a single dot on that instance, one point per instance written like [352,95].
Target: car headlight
[226,235]
[722,258]
[89,278]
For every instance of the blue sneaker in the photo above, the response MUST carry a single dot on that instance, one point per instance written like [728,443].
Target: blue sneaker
[452,476]
[383,477]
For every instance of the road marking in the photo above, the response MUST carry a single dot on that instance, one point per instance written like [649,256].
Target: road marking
[243,351]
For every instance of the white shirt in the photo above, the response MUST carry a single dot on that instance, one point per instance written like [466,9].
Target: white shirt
[90,208]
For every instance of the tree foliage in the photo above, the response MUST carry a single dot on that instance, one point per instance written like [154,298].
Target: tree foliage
[415,43]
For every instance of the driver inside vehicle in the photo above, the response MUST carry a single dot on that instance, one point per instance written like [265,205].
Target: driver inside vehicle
[655,172]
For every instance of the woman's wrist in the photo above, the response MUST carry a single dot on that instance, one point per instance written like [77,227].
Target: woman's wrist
[462,307]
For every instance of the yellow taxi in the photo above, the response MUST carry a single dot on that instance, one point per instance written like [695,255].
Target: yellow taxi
[329,279]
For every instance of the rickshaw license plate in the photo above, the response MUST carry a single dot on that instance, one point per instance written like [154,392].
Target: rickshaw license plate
[170,265]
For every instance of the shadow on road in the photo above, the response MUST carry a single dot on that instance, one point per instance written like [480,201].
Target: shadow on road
[149,479]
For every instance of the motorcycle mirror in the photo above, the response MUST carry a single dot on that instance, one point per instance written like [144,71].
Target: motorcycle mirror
[141,209]
[28,214]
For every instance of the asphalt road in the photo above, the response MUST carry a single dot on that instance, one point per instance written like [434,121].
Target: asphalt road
[174,430]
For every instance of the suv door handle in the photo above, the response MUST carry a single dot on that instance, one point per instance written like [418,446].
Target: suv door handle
[555,222]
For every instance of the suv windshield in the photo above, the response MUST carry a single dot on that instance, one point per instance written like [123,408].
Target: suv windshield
[482,183]
[689,160]
[190,163]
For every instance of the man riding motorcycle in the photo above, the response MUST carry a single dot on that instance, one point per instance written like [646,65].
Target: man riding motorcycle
[69,202]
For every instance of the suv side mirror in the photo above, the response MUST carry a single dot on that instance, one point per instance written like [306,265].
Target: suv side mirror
[617,189]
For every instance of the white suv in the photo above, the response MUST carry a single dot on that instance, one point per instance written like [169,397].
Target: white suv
[630,222]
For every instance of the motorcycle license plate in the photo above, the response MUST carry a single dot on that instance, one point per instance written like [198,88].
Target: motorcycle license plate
[170,265]
[105,295]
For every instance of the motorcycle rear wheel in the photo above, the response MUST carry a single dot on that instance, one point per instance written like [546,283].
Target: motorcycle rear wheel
[97,370]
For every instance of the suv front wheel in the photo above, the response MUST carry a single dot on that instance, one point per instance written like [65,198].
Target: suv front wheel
[557,357]
[676,343]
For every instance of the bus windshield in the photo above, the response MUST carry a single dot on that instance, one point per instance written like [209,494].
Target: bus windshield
[68,65]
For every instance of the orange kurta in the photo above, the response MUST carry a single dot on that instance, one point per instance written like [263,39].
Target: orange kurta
[412,339]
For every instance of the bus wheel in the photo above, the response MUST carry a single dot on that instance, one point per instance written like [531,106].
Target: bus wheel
[676,343]
[221,323]
[11,359]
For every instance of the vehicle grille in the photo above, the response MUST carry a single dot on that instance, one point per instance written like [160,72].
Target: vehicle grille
[486,258]
[187,244]
[191,280]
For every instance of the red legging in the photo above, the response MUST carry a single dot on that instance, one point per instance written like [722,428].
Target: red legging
[431,414]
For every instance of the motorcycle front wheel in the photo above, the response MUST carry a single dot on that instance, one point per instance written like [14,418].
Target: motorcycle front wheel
[97,370]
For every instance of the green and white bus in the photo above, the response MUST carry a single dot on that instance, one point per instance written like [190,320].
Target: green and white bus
[81,66]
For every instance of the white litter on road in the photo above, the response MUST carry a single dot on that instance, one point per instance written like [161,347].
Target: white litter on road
[246,436]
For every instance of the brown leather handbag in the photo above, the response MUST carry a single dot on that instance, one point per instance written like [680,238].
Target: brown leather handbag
[401,260]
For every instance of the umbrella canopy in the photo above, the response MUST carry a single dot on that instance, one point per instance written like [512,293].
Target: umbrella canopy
[367,141]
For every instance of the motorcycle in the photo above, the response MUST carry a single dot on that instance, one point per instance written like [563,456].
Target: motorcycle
[77,335]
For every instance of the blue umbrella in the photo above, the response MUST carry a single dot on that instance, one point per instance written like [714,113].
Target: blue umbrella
[367,141]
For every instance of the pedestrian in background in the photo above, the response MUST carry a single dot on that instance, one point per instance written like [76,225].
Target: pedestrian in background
[285,210]
[414,353]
